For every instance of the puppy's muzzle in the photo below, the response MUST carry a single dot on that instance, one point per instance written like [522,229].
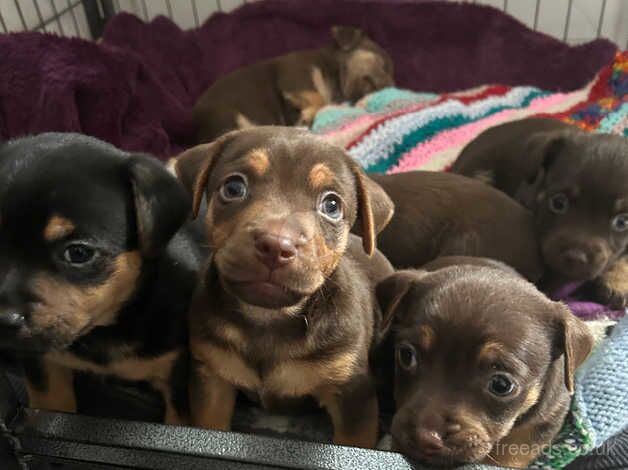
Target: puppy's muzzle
[578,260]
[275,251]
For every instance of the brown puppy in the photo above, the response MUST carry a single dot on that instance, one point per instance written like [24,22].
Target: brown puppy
[291,88]
[440,214]
[484,363]
[575,183]
[286,307]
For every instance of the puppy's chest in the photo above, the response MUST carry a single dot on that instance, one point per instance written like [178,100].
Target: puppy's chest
[268,364]
[122,361]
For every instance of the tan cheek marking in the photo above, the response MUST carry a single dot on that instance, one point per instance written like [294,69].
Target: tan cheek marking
[531,398]
[426,337]
[320,176]
[258,161]
[58,227]
[221,233]
[66,310]
[327,258]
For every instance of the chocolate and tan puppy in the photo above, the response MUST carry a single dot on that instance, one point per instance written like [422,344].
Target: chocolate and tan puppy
[286,307]
[484,363]
[291,88]
[96,273]
[575,183]
[439,214]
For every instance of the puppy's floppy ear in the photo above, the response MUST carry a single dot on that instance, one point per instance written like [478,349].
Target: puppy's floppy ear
[346,37]
[391,291]
[573,339]
[540,152]
[193,168]
[161,204]
[375,208]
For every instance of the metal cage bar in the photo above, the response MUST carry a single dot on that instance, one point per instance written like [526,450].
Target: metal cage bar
[77,30]
[18,8]
[3,24]
[57,18]
[567,19]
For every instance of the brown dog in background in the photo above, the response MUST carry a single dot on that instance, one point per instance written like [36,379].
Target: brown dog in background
[286,308]
[438,214]
[575,183]
[289,89]
[484,363]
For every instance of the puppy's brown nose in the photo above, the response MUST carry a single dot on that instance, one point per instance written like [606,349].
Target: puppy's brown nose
[575,257]
[429,441]
[274,250]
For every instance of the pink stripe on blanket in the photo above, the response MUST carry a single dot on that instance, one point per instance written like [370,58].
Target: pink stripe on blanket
[459,136]
[368,120]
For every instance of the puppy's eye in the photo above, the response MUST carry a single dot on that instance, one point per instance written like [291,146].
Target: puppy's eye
[78,254]
[235,188]
[559,203]
[501,385]
[406,356]
[620,223]
[331,206]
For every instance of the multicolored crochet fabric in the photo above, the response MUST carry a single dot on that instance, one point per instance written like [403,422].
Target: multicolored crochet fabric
[397,130]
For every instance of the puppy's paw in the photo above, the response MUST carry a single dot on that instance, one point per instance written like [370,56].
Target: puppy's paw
[612,287]
[612,298]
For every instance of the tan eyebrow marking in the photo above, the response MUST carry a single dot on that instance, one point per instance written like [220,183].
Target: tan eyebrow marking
[58,227]
[320,176]
[258,161]
[426,337]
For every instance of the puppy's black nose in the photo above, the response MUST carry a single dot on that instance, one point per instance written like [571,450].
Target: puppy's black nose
[274,250]
[575,257]
[429,441]
[11,319]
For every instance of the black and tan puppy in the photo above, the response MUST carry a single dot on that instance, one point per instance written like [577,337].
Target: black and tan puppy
[92,275]
[575,183]
[438,214]
[286,308]
[291,88]
[484,363]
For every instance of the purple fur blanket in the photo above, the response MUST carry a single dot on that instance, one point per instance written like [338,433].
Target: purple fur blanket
[137,87]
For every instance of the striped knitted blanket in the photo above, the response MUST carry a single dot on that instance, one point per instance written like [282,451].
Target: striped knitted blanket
[397,130]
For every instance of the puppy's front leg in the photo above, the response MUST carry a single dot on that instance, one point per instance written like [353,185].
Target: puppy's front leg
[353,411]
[50,386]
[212,399]
[612,287]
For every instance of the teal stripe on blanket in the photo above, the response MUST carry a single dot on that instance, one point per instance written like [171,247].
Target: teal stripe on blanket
[429,130]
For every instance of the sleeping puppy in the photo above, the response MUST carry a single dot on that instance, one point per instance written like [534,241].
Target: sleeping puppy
[575,183]
[92,275]
[484,363]
[291,88]
[286,308]
[438,214]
